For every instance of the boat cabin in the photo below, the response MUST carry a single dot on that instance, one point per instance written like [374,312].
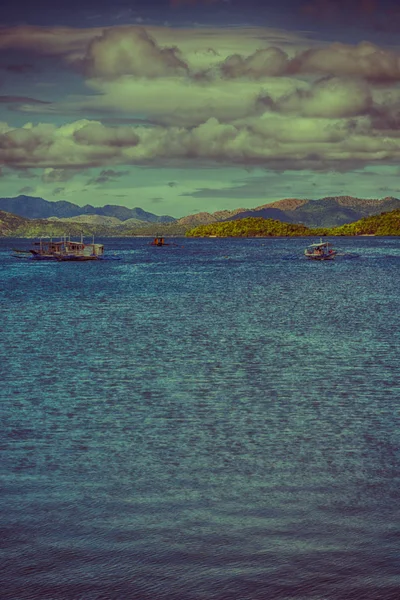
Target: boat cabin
[66,248]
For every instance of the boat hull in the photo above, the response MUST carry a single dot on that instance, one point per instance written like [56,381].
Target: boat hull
[320,257]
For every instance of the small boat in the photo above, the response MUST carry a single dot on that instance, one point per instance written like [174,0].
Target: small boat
[320,251]
[63,250]
[159,241]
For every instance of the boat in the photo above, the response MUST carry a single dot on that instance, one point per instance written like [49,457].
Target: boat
[63,250]
[320,251]
[159,241]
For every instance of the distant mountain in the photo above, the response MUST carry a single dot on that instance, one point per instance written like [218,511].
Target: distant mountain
[203,218]
[15,226]
[329,212]
[264,213]
[92,220]
[325,212]
[37,208]
[383,224]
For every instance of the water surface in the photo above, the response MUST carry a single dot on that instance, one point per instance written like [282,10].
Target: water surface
[212,420]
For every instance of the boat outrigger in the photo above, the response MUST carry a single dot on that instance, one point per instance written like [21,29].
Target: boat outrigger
[320,251]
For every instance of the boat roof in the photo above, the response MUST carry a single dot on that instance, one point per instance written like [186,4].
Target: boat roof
[320,244]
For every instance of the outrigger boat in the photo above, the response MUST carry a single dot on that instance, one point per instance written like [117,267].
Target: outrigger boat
[159,241]
[320,251]
[63,250]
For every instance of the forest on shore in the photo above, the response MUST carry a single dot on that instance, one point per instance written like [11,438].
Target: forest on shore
[385,224]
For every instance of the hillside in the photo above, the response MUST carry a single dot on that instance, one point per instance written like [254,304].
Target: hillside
[15,226]
[265,213]
[384,224]
[330,211]
[250,227]
[9,223]
[94,220]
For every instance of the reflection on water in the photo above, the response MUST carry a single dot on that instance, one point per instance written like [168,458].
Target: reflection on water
[203,421]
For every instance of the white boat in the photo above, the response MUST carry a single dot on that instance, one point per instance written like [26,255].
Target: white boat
[62,250]
[320,251]
[65,249]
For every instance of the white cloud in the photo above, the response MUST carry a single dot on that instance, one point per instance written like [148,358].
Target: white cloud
[130,51]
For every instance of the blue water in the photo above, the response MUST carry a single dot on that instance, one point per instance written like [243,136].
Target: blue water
[214,420]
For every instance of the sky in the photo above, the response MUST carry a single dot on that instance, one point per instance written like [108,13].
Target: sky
[187,106]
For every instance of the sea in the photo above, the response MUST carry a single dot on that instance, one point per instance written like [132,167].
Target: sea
[216,419]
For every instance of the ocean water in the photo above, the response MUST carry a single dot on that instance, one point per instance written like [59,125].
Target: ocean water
[212,420]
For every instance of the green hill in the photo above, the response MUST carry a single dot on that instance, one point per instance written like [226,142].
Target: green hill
[385,224]
[250,227]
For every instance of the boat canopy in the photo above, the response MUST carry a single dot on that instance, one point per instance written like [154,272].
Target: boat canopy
[320,245]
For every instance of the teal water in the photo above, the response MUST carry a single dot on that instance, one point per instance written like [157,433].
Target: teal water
[214,420]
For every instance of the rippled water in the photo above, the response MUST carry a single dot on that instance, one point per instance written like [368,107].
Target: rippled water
[213,420]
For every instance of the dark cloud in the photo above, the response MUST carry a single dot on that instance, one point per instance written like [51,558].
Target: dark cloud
[364,60]
[21,99]
[58,190]
[26,190]
[19,69]
[111,173]
[378,15]
[59,175]
[106,175]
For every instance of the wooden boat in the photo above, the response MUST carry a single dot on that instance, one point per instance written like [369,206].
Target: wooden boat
[62,250]
[159,241]
[320,251]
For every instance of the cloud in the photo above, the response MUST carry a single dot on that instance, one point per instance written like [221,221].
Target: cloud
[94,133]
[130,51]
[47,41]
[332,97]
[19,69]
[26,190]
[58,191]
[21,99]
[105,176]
[329,122]
[265,62]
[177,101]
[365,60]
[51,175]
